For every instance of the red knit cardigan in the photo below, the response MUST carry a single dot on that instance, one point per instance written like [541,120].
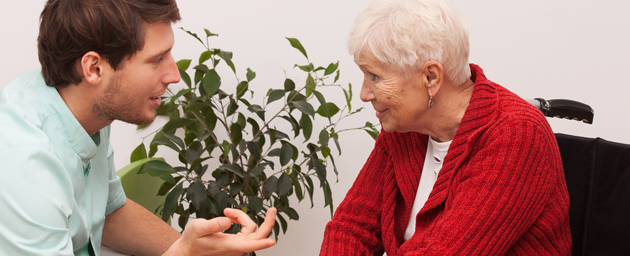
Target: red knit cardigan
[501,190]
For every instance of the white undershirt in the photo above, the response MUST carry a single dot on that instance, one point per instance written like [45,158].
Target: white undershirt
[436,151]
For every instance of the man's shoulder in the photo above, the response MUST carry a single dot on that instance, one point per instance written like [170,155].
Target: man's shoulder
[21,114]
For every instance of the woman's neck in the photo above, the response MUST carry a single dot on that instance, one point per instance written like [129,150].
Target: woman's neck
[450,107]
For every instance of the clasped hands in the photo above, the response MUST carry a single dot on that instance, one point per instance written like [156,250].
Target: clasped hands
[206,237]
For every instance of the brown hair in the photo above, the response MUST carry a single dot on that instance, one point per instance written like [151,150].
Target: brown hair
[115,29]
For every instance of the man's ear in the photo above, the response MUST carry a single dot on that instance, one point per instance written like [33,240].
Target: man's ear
[433,72]
[91,67]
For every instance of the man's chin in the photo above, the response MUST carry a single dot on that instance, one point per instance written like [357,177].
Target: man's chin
[144,121]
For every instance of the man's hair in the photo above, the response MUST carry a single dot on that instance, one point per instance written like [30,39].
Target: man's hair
[115,29]
[405,34]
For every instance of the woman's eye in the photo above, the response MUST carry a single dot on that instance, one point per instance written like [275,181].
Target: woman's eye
[373,77]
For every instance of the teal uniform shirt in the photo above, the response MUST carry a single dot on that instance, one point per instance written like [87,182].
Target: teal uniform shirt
[57,182]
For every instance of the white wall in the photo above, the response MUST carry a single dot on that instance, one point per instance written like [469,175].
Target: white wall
[551,49]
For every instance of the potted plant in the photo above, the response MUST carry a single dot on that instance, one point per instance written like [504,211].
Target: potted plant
[230,150]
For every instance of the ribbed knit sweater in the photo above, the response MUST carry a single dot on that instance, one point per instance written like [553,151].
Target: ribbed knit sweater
[501,190]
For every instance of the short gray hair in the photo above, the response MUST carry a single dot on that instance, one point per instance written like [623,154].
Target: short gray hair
[405,34]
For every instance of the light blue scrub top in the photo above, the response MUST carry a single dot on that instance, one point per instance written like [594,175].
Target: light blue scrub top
[57,183]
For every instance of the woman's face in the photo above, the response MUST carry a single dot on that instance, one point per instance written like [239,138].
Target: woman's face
[400,100]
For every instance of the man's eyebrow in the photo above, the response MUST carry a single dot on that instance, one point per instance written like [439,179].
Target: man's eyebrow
[161,53]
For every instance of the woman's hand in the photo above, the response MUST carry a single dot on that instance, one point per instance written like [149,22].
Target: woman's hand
[206,237]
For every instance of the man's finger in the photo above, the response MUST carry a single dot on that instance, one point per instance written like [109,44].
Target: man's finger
[270,220]
[248,226]
[201,227]
[255,245]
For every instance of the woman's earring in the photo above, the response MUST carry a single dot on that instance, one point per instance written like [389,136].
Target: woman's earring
[431,101]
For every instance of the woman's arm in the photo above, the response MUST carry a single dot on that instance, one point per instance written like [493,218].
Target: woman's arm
[510,195]
[356,226]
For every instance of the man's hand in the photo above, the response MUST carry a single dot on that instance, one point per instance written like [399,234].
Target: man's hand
[206,237]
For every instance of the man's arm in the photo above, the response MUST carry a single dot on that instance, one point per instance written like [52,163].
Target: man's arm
[134,230]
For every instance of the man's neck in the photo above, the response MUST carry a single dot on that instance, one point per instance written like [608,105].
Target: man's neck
[80,102]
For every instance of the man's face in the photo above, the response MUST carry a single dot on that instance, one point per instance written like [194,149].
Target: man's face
[132,93]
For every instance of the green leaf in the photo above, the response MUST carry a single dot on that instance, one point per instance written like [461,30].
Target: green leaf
[306,68]
[232,107]
[254,124]
[227,57]
[139,153]
[226,148]
[286,154]
[260,112]
[320,169]
[257,170]
[159,169]
[294,124]
[289,85]
[310,188]
[297,45]
[197,194]
[284,184]
[211,82]
[275,95]
[328,201]
[310,85]
[292,213]
[183,64]
[185,77]
[271,184]
[241,89]
[255,204]
[233,168]
[175,139]
[171,201]
[331,68]
[296,184]
[283,223]
[175,123]
[241,120]
[179,94]
[348,97]
[137,164]
[323,138]
[322,101]
[329,107]
[161,139]
[250,75]
[307,126]
[236,133]
[304,107]
[193,35]
[208,33]
[254,149]
[204,56]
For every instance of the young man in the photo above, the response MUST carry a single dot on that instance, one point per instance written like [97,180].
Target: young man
[101,61]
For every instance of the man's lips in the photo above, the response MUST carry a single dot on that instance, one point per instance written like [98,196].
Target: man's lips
[155,100]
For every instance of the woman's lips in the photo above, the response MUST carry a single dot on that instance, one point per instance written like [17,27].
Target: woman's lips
[380,113]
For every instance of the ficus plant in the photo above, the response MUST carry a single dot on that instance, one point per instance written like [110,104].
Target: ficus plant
[234,151]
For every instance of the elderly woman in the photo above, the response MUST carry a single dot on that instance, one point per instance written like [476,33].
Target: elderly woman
[463,166]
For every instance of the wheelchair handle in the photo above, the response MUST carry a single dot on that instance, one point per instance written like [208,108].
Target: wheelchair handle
[566,109]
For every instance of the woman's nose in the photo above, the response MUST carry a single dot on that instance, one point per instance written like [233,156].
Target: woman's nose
[366,92]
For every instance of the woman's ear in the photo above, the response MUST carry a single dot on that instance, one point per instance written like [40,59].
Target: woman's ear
[433,72]
[91,67]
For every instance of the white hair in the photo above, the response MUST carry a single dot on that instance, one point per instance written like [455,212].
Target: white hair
[405,34]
